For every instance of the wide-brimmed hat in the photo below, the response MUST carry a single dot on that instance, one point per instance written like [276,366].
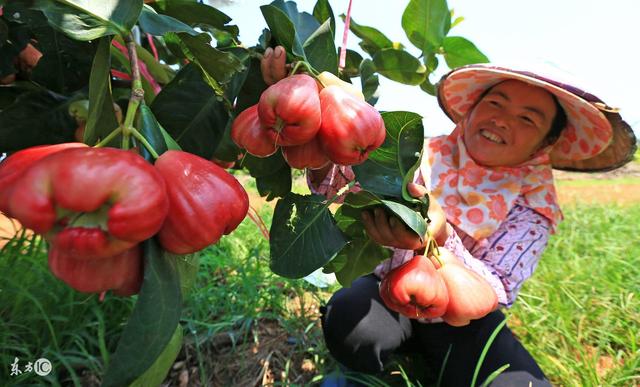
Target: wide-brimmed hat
[595,138]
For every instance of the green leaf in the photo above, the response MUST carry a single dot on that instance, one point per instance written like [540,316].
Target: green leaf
[260,167]
[428,87]
[34,118]
[459,51]
[191,113]
[275,185]
[90,19]
[187,266]
[66,63]
[102,117]
[384,171]
[320,49]
[369,81]
[151,131]
[155,375]
[399,66]
[372,39]
[153,321]
[361,256]
[156,24]
[304,236]
[426,23]
[364,200]
[352,64]
[252,87]
[283,30]
[303,22]
[219,65]
[195,14]
[322,11]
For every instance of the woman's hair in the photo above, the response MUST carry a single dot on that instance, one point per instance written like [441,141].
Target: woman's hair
[558,124]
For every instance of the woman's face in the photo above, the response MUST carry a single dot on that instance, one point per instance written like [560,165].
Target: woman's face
[508,125]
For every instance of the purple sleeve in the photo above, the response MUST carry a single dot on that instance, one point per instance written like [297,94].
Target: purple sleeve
[337,177]
[510,255]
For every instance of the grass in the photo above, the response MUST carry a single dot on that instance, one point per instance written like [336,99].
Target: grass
[598,182]
[243,325]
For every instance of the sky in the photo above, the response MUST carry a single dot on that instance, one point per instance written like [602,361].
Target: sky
[594,41]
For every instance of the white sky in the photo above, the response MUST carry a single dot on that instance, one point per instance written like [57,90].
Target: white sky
[593,40]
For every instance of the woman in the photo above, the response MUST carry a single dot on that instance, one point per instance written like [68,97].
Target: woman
[494,206]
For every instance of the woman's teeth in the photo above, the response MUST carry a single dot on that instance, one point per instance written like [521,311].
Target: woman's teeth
[491,137]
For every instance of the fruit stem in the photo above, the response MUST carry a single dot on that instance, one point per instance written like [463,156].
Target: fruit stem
[310,69]
[144,142]
[137,92]
[110,137]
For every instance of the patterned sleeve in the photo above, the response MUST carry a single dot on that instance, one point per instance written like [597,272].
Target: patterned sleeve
[510,255]
[337,177]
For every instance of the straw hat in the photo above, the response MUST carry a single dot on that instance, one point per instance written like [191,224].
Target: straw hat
[595,138]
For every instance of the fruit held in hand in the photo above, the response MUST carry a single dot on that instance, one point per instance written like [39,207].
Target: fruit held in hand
[414,289]
[470,296]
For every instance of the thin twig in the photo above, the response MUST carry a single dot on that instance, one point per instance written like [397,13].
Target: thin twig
[137,92]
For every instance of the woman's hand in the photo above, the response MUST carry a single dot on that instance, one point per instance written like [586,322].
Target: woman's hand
[390,231]
[273,65]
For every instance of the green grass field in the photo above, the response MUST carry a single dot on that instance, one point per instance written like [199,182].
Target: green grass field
[579,315]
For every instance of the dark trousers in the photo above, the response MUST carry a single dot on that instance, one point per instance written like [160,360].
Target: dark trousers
[361,333]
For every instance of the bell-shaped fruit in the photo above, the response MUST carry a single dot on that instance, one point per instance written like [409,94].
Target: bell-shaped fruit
[415,289]
[351,128]
[290,109]
[121,273]
[248,133]
[205,202]
[91,202]
[309,155]
[328,79]
[470,296]
[17,164]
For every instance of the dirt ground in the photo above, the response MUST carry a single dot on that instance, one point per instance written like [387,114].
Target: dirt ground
[621,186]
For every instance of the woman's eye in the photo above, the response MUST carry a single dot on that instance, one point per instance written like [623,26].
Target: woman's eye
[494,103]
[527,120]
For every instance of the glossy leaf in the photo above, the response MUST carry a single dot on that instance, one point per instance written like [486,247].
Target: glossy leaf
[191,113]
[364,200]
[283,30]
[34,118]
[102,117]
[322,11]
[217,64]
[304,236]
[384,171]
[157,24]
[320,49]
[156,374]
[151,131]
[352,64]
[195,14]
[426,23]
[372,39]
[304,23]
[459,51]
[361,256]
[90,19]
[399,66]
[153,321]
[276,185]
[369,81]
